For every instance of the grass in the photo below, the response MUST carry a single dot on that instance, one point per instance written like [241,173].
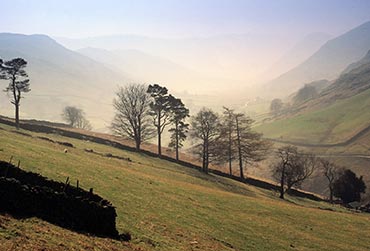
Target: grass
[169,207]
[335,123]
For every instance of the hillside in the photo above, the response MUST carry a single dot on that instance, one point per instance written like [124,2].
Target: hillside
[338,113]
[364,60]
[59,77]
[166,206]
[327,63]
[298,54]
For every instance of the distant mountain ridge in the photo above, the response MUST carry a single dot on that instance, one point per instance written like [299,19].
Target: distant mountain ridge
[232,57]
[298,53]
[148,68]
[327,63]
[364,60]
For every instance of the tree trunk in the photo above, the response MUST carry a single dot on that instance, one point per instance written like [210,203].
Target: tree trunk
[207,159]
[159,135]
[331,194]
[230,170]
[177,141]
[137,142]
[16,102]
[204,157]
[282,181]
[239,149]
[17,116]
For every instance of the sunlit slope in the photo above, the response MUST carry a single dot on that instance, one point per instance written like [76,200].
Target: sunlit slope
[169,207]
[332,124]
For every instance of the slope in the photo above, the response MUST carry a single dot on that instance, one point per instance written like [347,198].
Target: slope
[298,54]
[336,115]
[333,124]
[327,63]
[59,77]
[169,207]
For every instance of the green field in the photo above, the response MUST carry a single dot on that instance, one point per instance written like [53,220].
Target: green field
[335,123]
[169,207]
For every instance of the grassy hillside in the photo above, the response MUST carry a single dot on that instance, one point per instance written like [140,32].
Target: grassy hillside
[169,207]
[335,123]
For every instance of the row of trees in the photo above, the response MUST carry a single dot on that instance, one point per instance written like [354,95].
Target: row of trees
[145,111]
[75,117]
[227,139]
[14,71]
[294,167]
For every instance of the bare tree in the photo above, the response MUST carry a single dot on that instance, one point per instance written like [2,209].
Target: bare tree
[238,141]
[226,143]
[132,117]
[161,110]
[206,128]
[293,168]
[251,147]
[14,70]
[331,173]
[75,117]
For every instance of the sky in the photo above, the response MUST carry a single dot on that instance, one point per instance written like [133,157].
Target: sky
[181,18]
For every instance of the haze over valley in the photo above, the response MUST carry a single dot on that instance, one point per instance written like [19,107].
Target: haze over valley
[185,125]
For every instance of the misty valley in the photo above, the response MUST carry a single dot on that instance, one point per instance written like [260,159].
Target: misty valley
[123,129]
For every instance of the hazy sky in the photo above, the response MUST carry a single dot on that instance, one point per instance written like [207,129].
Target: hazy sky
[181,18]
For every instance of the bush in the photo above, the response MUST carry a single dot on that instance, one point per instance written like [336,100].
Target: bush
[348,187]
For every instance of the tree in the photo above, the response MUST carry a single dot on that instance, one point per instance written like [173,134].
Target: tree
[331,173]
[305,93]
[132,118]
[14,70]
[293,168]
[161,110]
[348,187]
[227,139]
[238,141]
[205,127]
[276,106]
[251,147]
[75,117]
[180,128]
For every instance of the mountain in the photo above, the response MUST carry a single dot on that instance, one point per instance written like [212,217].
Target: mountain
[337,114]
[298,53]
[148,68]
[364,60]
[60,77]
[232,57]
[327,63]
